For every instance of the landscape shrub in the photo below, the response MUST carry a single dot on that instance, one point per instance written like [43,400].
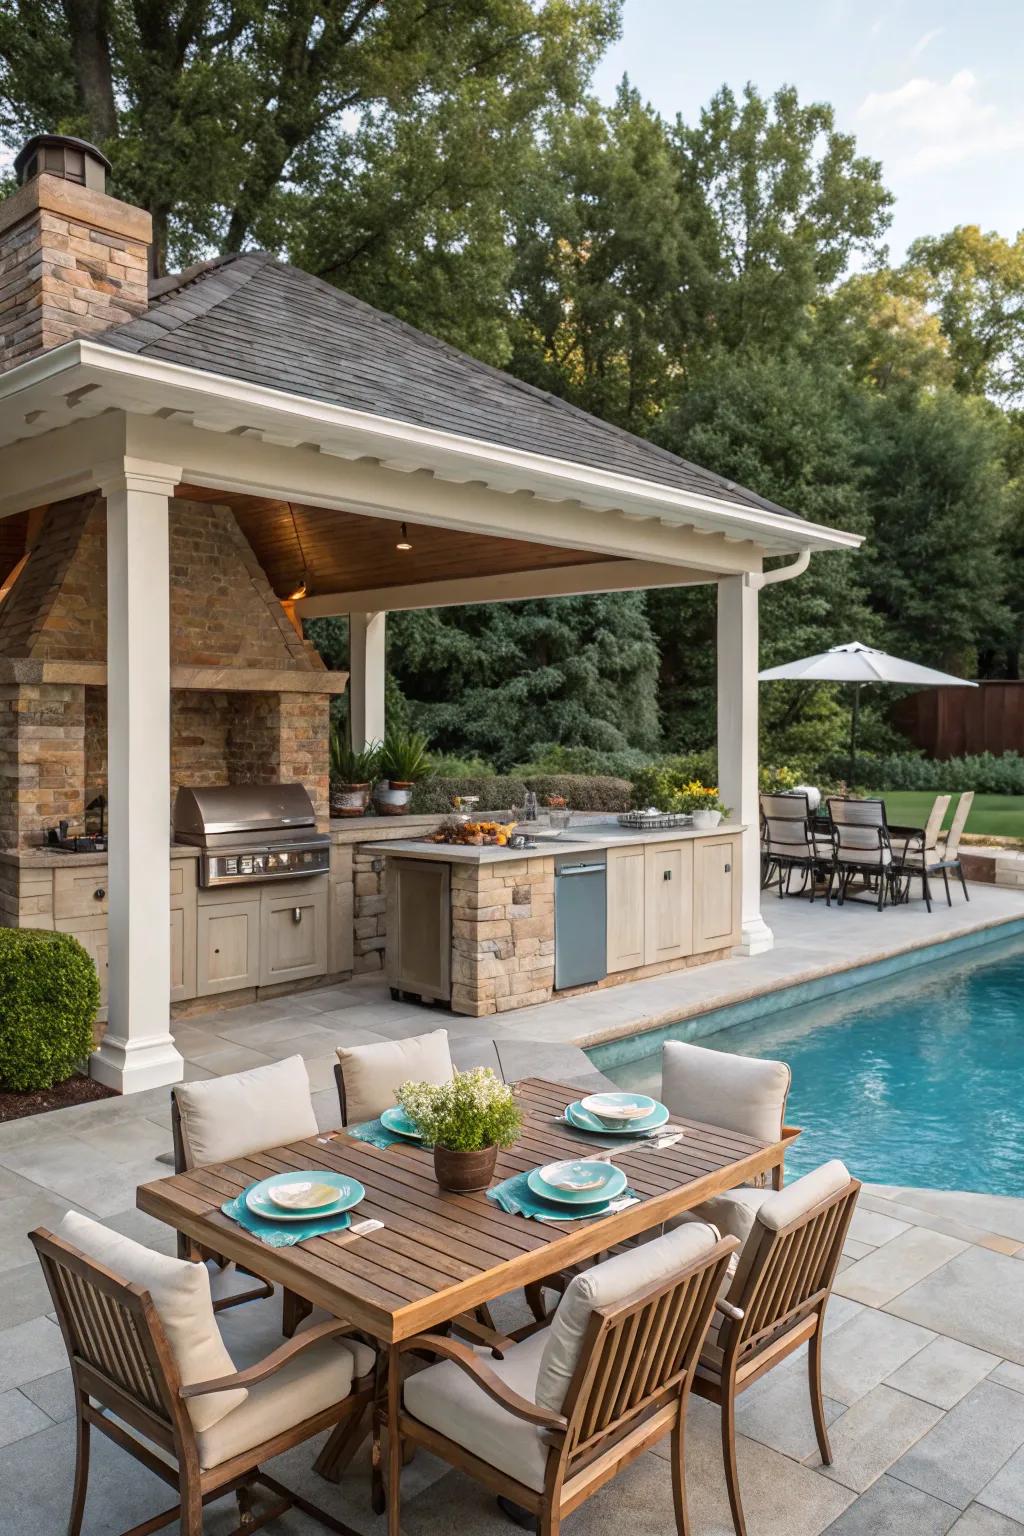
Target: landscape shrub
[984,772]
[554,758]
[497,793]
[583,792]
[49,993]
[659,783]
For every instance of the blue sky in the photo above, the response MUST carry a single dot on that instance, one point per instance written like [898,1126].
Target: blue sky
[932,90]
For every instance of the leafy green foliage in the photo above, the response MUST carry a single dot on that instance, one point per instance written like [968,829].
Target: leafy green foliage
[49,994]
[985,773]
[351,767]
[473,1111]
[403,757]
[433,796]
[582,792]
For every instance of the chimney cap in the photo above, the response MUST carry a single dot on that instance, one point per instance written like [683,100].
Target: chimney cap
[59,154]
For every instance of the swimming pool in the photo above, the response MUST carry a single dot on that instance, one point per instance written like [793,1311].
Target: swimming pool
[915,1079]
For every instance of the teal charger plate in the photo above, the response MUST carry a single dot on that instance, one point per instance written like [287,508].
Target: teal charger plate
[398,1123]
[614,1182]
[350,1192]
[582,1120]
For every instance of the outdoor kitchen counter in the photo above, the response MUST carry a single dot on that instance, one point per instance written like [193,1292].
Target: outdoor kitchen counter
[487,929]
[548,844]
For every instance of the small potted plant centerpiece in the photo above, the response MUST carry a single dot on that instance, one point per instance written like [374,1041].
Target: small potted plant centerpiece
[559,814]
[703,804]
[466,1121]
[403,760]
[352,775]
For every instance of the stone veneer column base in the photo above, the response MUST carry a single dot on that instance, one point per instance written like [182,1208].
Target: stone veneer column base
[503,935]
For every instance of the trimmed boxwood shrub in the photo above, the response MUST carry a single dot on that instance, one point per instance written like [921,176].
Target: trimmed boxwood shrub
[985,773]
[583,791]
[49,993]
[434,795]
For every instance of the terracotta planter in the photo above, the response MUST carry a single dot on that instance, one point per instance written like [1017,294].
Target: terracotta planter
[392,798]
[350,800]
[462,1172]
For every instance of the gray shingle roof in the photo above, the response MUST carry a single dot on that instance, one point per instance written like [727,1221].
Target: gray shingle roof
[254,318]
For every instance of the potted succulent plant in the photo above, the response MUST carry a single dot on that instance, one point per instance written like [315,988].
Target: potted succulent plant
[466,1121]
[352,775]
[403,760]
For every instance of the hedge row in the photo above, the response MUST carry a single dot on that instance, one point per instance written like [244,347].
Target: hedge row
[581,792]
[985,773]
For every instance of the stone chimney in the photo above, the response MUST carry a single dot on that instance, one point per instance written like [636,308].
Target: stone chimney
[73,261]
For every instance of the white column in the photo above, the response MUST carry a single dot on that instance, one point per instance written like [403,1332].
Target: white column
[138,1051]
[366,659]
[737,742]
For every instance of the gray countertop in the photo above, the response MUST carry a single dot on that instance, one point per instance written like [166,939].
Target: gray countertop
[598,837]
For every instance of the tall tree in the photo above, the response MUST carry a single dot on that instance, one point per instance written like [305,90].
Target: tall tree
[229,119]
[976,284]
[792,204]
[497,679]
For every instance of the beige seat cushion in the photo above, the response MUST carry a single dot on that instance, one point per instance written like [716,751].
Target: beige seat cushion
[733,1212]
[374,1073]
[783,1206]
[180,1291]
[737,1093]
[448,1400]
[313,1381]
[603,1286]
[226,1117]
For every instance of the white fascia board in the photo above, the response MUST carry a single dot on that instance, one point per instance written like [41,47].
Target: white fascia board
[127,381]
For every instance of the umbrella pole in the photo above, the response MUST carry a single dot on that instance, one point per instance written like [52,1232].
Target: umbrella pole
[854,722]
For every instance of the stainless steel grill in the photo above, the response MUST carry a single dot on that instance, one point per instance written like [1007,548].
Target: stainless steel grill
[250,832]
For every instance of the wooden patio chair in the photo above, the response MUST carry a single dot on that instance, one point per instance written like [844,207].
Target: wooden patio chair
[789,842]
[777,1300]
[151,1372]
[951,850]
[920,857]
[223,1118]
[570,1405]
[376,1072]
[862,849]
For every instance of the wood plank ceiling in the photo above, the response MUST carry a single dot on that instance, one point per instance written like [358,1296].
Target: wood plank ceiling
[347,552]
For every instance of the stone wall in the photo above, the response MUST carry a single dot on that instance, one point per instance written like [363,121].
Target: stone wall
[503,935]
[42,753]
[369,922]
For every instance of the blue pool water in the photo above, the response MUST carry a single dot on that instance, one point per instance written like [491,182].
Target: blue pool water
[916,1080]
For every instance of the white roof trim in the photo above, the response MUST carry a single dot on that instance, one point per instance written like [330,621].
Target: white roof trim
[85,378]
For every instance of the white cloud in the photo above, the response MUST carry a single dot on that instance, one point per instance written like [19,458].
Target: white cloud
[928,124]
[923,42]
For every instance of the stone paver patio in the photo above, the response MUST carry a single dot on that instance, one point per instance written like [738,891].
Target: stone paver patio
[924,1368]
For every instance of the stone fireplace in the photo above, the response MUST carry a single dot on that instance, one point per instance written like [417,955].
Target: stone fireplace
[250,698]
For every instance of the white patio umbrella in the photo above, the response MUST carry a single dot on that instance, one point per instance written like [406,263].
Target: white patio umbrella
[857,664]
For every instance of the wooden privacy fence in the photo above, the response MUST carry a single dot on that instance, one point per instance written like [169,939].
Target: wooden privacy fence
[952,722]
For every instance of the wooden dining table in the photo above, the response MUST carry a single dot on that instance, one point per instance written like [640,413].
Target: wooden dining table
[438,1255]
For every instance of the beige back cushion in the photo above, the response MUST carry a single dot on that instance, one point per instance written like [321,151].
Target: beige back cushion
[603,1286]
[374,1073]
[778,1209]
[226,1117]
[180,1292]
[737,1093]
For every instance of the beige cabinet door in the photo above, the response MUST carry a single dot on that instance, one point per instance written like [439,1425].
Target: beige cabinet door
[668,901]
[228,946]
[293,934]
[80,892]
[91,933]
[716,893]
[418,955]
[183,930]
[626,899]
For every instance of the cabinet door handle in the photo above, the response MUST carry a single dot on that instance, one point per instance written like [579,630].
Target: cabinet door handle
[296,914]
[666,874]
[728,869]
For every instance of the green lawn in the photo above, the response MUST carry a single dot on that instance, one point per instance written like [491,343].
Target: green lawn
[991,815]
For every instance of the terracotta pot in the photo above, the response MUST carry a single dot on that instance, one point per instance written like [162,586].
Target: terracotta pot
[350,799]
[462,1172]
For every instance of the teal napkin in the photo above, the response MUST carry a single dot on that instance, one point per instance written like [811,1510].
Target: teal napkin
[378,1135]
[288,1232]
[515,1196]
